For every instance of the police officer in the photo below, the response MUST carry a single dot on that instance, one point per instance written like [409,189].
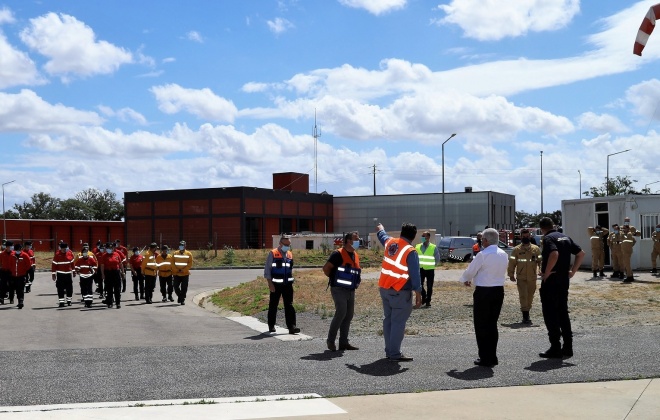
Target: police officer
[614,242]
[429,257]
[150,270]
[62,273]
[597,236]
[278,271]
[655,253]
[343,271]
[524,265]
[627,243]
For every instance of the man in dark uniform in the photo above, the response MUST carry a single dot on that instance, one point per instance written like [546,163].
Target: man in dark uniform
[557,272]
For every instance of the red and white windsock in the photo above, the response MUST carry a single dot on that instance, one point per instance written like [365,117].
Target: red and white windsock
[645,30]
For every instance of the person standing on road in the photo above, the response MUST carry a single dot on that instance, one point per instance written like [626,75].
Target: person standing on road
[488,272]
[33,266]
[7,248]
[99,252]
[278,271]
[627,243]
[429,257]
[399,278]
[150,270]
[86,266]
[343,271]
[556,274]
[655,253]
[165,262]
[183,262]
[597,236]
[614,242]
[111,265]
[19,266]
[62,273]
[524,266]
[135,264]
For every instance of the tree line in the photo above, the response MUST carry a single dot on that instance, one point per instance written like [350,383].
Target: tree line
[89,204]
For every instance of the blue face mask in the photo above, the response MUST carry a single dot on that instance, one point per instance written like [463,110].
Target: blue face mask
[285,248]
[657,229]
[11,248]
[356,244]
[108,250]
[181,248]
[616,231]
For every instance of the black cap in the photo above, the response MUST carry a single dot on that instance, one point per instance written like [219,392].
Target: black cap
[164,247]
[63,245]
[110,245]
[17,246]
[28,243]
[117,241]
[135,249]
[9,243]
[182,243]
[99,242]
[153,245]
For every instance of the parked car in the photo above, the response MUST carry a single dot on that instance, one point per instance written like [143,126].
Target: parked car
[455,248]
[506,248]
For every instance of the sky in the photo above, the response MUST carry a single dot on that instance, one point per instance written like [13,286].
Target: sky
[160,95]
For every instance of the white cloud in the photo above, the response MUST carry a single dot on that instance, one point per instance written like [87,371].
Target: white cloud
[16,68]
[124,114]
[375,7]
[645,97]
[601,123]
[71,47]
[168,60]
[496,19]
[195,37]
[6,16]
[279,25]
[203,103]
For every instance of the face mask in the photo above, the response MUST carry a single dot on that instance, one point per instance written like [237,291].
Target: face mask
[356,244]
[108,250]
[181,247]
[526,240]
[657,229]
[626,224]
[616,231]
[29,247]
[136,253]
[285,248]
[85,251]
[64,249]
[598,232]
[11,248]
[17,253]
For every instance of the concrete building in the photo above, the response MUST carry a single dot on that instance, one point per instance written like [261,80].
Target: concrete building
[467,212]
[644,213]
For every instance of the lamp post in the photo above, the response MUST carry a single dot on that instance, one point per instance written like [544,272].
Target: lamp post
[4,214]
[443,183]
[607,181]
[541,183]
[650,183]
[580,192]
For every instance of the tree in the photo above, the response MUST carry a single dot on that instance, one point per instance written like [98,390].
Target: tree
[621,185]
[73,209]
[42,206]
[524,219]
[102,205]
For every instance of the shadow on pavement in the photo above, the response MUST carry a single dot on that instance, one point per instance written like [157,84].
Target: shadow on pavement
[260,336]
[381,367]
[518,325]
[323,357]
[547,365]
[472,374]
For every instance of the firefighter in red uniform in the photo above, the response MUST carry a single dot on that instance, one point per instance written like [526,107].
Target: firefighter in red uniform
[19,266]
[62,271]
[7,248]
[135,263]
[125,265]
[111,265]
[86,266]
[99,252]
[33,265]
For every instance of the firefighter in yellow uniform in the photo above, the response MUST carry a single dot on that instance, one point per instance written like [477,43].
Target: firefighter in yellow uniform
[183,262]
[150,270]
[627,243]
[165,263]
[655,236]
[596,237]
[614,242]
[524,265]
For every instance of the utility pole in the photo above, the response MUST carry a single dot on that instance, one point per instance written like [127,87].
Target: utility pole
[374,179]
[316,133]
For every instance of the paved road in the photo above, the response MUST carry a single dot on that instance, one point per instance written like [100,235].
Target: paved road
[164,351]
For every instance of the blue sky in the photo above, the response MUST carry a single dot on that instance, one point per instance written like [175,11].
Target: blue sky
[151,95]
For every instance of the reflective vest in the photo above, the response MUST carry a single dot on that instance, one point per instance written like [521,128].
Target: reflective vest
[62,263]
[426,258]
[19,264]
[149,266]
[348,274]
[164,263]
[394,271]
[183,261]
[282,268]
[86,267]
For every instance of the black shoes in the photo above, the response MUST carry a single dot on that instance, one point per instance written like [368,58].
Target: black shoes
[271,328]
[164,299]
[403,358]
[567,351]
[484,363]
[628,280]
[118,306]
[654,271]
[170,298]
[347,347]
[61,305]
[294,330]
[331,345]
[68,303]
[526,319]
[109,305]
[20,304]
[552,353]
[183,302]
[602,274]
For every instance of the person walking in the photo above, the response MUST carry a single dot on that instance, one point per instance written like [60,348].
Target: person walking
[19,265]
[63,273]
[399,278]
[655,253]
[165,262]
[5,272]
[135,264]
[557,271]
[86,266]
[150,271]
[614,242]
[111,266]
[478,245]
[627,243]
[429,257]
[278,272]
[183,262]
[523,269]
[33,266]
[343,271]
[597,238]
[488,272]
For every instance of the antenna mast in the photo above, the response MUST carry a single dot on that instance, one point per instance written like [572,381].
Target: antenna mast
[316,133]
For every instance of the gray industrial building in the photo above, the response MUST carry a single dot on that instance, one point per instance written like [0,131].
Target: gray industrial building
[467,212]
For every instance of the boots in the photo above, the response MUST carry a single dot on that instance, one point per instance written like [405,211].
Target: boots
[602,274]
[615,275]
[137,297]
[170,298]
[20,304]
[526,319]
[654,270]
[567,349]
[554,352]
[628,280]
[621,275]
[595,274]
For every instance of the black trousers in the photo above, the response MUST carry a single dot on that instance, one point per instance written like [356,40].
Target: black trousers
[17,284]
[429,275]
[64,285]
[181,287]
[487,306]
[285,291]
[30,275]
[98,279]
[87,288]
[149,287]
[138,282]
[4,283]
[112,286]
[554,305]
[166,286]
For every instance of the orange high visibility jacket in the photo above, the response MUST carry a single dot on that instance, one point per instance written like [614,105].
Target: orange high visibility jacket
[394,270]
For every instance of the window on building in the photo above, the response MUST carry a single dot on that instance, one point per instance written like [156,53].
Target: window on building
[600,207]
[649,222]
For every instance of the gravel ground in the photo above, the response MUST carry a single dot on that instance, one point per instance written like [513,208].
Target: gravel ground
[593,303]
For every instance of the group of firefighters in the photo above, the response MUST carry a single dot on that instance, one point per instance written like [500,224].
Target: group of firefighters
[106,265]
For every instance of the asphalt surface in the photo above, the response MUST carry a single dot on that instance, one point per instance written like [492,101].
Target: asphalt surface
[166,351]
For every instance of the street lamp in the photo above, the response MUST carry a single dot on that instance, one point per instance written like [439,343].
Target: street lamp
[4,214]
[650,183]
[541,183]
[580,192]
[607,183]
[443,183]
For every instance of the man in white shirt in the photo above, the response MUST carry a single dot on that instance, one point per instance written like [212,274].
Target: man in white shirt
[488,272]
